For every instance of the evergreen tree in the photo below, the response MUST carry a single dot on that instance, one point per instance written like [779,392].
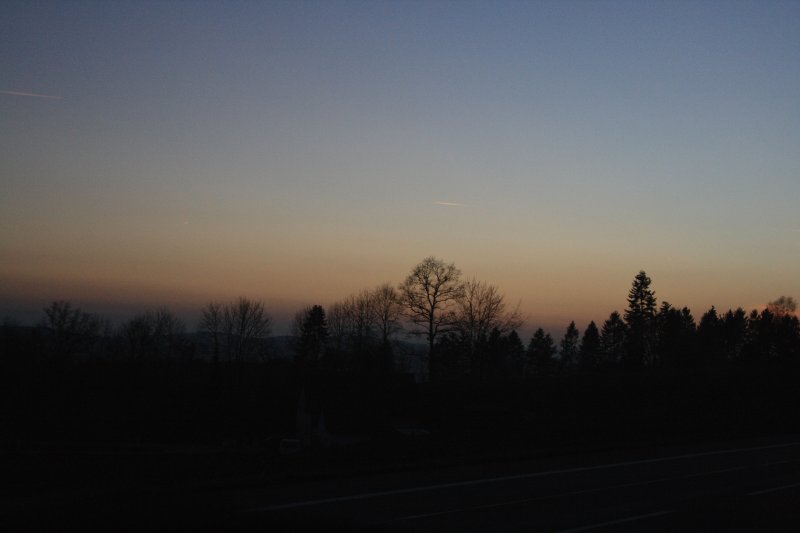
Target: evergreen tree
[541,353]
[787,336]
[675,336]
[515,354]
[612,340]
[734,333]
[640,318]
[311,330]
[589,351]
[761,335]
[711,338]
[569,347]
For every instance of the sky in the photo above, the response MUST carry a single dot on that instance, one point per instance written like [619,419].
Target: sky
[171,153]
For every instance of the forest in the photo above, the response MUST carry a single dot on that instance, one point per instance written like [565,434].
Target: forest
[433,364]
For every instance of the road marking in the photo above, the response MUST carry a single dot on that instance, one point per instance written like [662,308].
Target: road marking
[571,493]
[475,508]
[774,489]
[472,482]
[615,522]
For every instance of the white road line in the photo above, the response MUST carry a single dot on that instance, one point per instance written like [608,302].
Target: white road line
[472,482]
[571,493]
[615,522]
[774,489]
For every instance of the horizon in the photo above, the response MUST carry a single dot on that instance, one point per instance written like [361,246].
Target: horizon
[282,316]
[296,153]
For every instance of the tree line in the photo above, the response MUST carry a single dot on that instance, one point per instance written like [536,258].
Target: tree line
[652,367]
[467,326]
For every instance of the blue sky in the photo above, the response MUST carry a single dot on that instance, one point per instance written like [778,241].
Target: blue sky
[295,151]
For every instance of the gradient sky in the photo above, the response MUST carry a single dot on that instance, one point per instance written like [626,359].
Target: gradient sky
[295,152]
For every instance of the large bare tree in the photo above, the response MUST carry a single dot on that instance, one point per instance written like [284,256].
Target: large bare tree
[481,309]
[430,294]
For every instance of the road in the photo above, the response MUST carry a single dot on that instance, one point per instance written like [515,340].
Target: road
[734,486]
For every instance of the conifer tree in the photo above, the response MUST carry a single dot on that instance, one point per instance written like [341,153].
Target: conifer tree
[589,350]
[541,352]
[569,347]
[311,331]
[640,318]
[612,340]
[711,337]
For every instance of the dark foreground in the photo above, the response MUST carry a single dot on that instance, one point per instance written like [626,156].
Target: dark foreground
[751,484]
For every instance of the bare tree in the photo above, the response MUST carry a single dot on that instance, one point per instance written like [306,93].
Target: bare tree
[358,310]
[429,295]
[244,321]
[785,305]
[479,310]
[153,333]
[212,322]
[352,320]
[387,310]
[168,327]
[338,324]
[71,328]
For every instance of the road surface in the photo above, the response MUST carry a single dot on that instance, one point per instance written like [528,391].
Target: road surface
[739,486]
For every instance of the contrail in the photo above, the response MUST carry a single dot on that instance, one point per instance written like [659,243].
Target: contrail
[35,95]
[450,204]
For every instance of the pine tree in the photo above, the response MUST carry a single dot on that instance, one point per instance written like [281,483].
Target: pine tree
[541,353]
[569,347]
[640,318]
[589,351]
[735,327]
[675,336]
[515,353]
[311,330]
[711,337]
[612,340]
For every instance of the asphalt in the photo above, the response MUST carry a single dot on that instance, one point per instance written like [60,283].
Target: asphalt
[750,486]
[742,485]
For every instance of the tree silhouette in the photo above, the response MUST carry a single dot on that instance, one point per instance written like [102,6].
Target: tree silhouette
[71,329]
[711,338]
[761,333]
[514,354]
[787,336]
[569,347]
[311,331]
[613,340]
[154,333]
[429,295]
[479,310]
[357,319]
[640,318]
[735,333]
[541,354]
[249,322]
[386,310]
[785,305]
[211,322]
[675,336]
[238,325]
[589,351]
